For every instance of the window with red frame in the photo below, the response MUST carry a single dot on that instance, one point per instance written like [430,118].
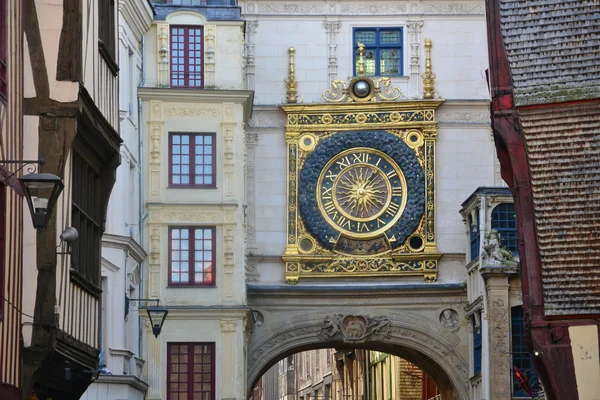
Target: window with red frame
[3,46]
[191,256]
[191,371]
[186,57]
[192,160]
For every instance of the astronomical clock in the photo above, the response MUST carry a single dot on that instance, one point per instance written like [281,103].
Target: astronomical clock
[361,191]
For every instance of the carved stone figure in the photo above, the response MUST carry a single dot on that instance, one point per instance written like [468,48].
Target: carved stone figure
[448,319]
[495,254]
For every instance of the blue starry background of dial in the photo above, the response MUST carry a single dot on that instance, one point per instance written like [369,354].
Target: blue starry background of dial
[380,140]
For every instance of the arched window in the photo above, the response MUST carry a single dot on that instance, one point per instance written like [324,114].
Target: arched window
[504,220]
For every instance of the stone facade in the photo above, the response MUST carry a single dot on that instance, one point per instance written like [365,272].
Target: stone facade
[424,322]
[214,314]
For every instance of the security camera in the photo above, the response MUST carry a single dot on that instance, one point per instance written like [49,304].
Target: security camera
[69,235]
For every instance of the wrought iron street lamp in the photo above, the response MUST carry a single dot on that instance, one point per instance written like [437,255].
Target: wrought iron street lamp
[156,313]
[41,190]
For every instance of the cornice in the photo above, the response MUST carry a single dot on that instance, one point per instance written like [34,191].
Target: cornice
[360,8]
[197,312]
[129,380]
[244,97]
[126,243]
[137,15]
[357,291]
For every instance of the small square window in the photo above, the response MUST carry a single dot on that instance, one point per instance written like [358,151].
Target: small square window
[383,51]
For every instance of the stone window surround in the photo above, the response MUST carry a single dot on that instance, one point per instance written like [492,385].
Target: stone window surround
[191,260]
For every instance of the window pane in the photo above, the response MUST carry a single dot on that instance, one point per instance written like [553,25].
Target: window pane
[369,59]
[364,37]
[390,62]
[389,37]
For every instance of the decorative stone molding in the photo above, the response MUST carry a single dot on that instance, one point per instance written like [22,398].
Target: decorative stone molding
[192,112]
[229,262]
[414,30]
[333,29]
[210,33]
[154,262]
[250,63]
[363,9]
[228,125]
[251,139]
[162,55]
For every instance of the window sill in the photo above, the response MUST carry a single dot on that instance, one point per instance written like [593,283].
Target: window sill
[108,58]
[85,284]
[192,187]
[191,286]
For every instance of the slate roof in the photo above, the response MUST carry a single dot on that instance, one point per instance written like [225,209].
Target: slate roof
[563,146]
[553,47]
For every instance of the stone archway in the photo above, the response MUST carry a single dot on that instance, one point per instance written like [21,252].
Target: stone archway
[438,351]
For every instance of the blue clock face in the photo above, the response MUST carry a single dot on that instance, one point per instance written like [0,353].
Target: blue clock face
[361,192]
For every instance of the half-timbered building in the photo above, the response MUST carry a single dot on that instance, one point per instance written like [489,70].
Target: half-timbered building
[545,86]
[11,214]
[71,108]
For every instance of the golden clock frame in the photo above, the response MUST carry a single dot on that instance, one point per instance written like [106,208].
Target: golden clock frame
[309,123]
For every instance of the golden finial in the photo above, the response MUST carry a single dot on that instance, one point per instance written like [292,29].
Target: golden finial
[361,60]
[291,83]
[428,76]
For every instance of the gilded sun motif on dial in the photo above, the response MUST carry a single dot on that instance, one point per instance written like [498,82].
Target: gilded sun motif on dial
[361,192]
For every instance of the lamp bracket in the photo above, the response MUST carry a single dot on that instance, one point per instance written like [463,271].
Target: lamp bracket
[139,303]
[34,165]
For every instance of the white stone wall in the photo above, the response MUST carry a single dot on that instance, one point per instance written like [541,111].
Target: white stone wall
[321,33]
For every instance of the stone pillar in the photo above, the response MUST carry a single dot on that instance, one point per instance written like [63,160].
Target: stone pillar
[163,61]
[228,367]
[498,314]
[251,27]
[332,28]
[210,38]
[153,364]
[228,126]
[156,123]
[414,30]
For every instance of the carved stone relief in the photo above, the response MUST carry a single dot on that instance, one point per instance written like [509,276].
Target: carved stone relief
[192,112]
[355,328]
[449,319]
[365,8]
